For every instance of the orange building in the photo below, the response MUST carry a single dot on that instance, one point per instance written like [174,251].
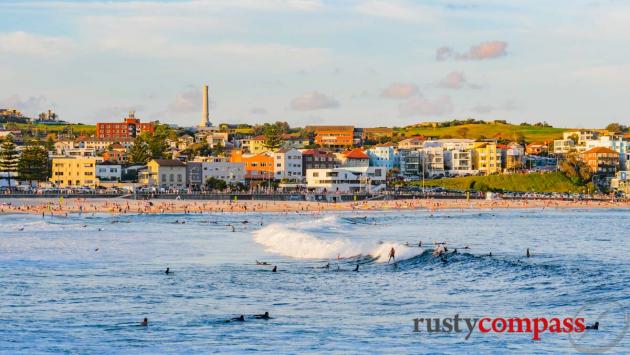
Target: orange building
[131,127]
[537,148]
[257,166]
[601,160]
[333,136]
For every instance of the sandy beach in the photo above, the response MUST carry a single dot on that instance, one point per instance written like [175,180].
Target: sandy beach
[62,206]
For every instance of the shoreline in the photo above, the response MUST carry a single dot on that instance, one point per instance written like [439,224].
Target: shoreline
[64,206]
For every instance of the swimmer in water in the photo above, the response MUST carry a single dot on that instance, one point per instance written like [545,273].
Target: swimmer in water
[240,318]
[262,316]
[168,270]
[392,255]
[593,327]
[275,269]
[144,323]
[356,268]
[527,253]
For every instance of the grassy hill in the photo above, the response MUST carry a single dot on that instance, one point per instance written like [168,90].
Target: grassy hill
[78,129]
[543,182]
[487,130]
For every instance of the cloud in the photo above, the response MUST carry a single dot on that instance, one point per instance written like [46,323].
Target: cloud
[187,101]
[398,10]
[419,105]
[258,111]
[485,109]
[31,104]
[456,80]
[313,101]
[482,51]
[22,43]
[400,91]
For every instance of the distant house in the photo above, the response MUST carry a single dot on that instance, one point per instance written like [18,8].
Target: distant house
[348,179]
[537,148]
[383,155]
[166,173]
[318,159]
[335,137]
[487,157]
[288,164]
[109,171]
[411,143]
[601,160]
[257,166]
[353,158]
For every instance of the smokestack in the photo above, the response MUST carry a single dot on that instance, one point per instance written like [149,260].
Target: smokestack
[205,119]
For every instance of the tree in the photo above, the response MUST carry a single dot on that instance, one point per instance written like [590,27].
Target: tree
[139,153]
[616,128]
[463,132]
[50,144]
[213,183]
[8,159]
[158,146]
[273,137]
[33,165]
[575,169]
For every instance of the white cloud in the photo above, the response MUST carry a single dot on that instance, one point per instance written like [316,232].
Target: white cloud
[258,111]
[398,10]
[187,101]
[32,104]
[22,43]
[482,51]
[400,91]
[419,105]
[456,80]
[313,101]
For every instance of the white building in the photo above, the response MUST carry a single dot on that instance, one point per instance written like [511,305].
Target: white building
[384,156]
[411,143]
[108,171]
[563,146]
[288,164]
[432,161]
[458,162]
[229,172]
[344,180]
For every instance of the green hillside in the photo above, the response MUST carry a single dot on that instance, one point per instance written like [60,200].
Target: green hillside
[543,182]
[487,130]
[78,129]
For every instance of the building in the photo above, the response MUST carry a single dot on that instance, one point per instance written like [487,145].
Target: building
[116,154]
[131,127]
[353,158]
[74,172]
[616,143]
[410,161]
[164,173]
[563,146]
[257,166]
[297,142]
[384,155]
[109,171]
[318,159]
[253,145]
[458,162]
[432,162]
[486,157]
[411,143]
[601,160]
[581,135]
[198,172]
[336,137]
[511,156]
[537,148]
[288,164]
[345,180]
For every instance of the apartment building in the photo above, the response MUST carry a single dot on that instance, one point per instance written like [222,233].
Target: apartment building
[74,172]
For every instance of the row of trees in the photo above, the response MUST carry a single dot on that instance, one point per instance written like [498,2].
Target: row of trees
[149,146]
[31,165]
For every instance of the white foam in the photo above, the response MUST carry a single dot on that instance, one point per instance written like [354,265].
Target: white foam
[298,241]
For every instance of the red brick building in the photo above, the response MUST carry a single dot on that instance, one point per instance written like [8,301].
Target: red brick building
[131,127]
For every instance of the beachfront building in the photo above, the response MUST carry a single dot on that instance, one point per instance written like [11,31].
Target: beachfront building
[345,180]
[74,172]
[288,164]
[198,172]
[537,148]
[432,162]
[131,127]
[486,157]
[353,158]
[318,159]
[253,145]
[257,166]
[384,156]
[109,171]
[410,161]
[512,156]
[616,143]
[563,146]
[458,162]
[336,137]
[164,173]
[601,160]
[412,143]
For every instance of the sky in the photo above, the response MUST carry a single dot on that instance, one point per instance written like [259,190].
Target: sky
[363,62]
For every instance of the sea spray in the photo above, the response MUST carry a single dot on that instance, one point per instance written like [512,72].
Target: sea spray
[301,242]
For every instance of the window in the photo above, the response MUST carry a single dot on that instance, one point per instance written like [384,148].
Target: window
[315,174]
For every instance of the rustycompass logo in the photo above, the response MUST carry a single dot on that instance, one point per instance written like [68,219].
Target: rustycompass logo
[613,320]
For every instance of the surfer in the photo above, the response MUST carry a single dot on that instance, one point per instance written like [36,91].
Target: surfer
[262,316]
[144,323]
[593,327]
[392,255]
[528,255]
[240,318]
[438,250]
[420,244]
[356,268]
[168,270]
[275,268]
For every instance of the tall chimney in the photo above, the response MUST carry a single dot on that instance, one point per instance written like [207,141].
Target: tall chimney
[205,119]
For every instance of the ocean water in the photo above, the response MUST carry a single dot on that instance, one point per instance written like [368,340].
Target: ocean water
[82,284]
